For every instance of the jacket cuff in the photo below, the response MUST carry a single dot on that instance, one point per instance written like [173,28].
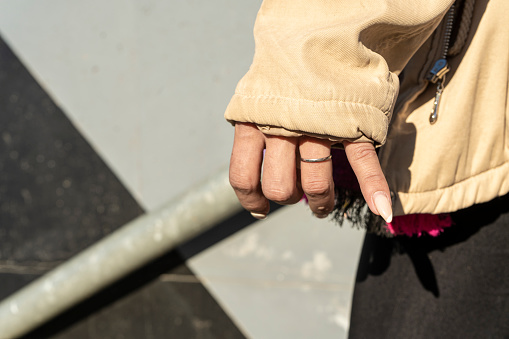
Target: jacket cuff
[329,119]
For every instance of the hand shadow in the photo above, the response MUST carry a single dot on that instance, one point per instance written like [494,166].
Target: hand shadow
[377,251]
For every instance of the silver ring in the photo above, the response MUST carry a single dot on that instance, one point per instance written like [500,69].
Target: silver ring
[317,160]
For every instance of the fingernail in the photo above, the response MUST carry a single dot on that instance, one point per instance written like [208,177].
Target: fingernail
[260,216]
[383,205]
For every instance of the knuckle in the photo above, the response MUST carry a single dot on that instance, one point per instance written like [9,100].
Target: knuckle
[362,152]
[317,188]
[373,179]
[243,184]
[278,194]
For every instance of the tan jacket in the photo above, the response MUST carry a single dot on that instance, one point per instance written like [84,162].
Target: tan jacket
[329,68]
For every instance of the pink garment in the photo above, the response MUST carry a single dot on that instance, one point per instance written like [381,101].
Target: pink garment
[432,224]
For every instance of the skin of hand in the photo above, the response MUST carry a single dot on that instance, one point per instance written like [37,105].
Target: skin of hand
[286,177]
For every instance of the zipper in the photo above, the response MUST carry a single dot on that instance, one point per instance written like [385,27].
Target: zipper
[439,70]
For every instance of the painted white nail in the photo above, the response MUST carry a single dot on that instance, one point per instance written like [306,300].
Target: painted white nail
[383,205]
[260,216]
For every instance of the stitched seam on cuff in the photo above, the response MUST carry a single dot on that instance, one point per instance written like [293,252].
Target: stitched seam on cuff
[308,100]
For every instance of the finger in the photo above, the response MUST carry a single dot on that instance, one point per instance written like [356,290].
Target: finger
[364,161]
[245,167]
[316,177]
[279,182]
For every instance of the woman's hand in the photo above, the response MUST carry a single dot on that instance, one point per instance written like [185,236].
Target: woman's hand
[286,177]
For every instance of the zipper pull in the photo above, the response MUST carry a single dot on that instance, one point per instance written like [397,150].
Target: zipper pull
[434,112]
[440,68]
[437,76]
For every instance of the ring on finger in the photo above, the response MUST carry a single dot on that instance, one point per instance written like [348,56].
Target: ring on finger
[317,160]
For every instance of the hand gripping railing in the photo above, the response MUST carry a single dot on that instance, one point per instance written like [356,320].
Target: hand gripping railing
[118,254]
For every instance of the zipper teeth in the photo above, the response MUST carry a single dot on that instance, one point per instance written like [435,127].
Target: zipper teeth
[448,31]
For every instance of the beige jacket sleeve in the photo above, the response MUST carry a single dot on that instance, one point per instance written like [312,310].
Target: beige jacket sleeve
[329,68]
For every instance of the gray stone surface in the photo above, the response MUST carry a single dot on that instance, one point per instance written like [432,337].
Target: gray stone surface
[57,197]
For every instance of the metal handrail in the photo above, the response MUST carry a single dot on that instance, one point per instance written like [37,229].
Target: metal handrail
[115,256]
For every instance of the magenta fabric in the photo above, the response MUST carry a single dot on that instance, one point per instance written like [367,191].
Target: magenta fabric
[419,224]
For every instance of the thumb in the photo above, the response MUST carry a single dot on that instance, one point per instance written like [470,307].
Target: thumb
[364,161]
